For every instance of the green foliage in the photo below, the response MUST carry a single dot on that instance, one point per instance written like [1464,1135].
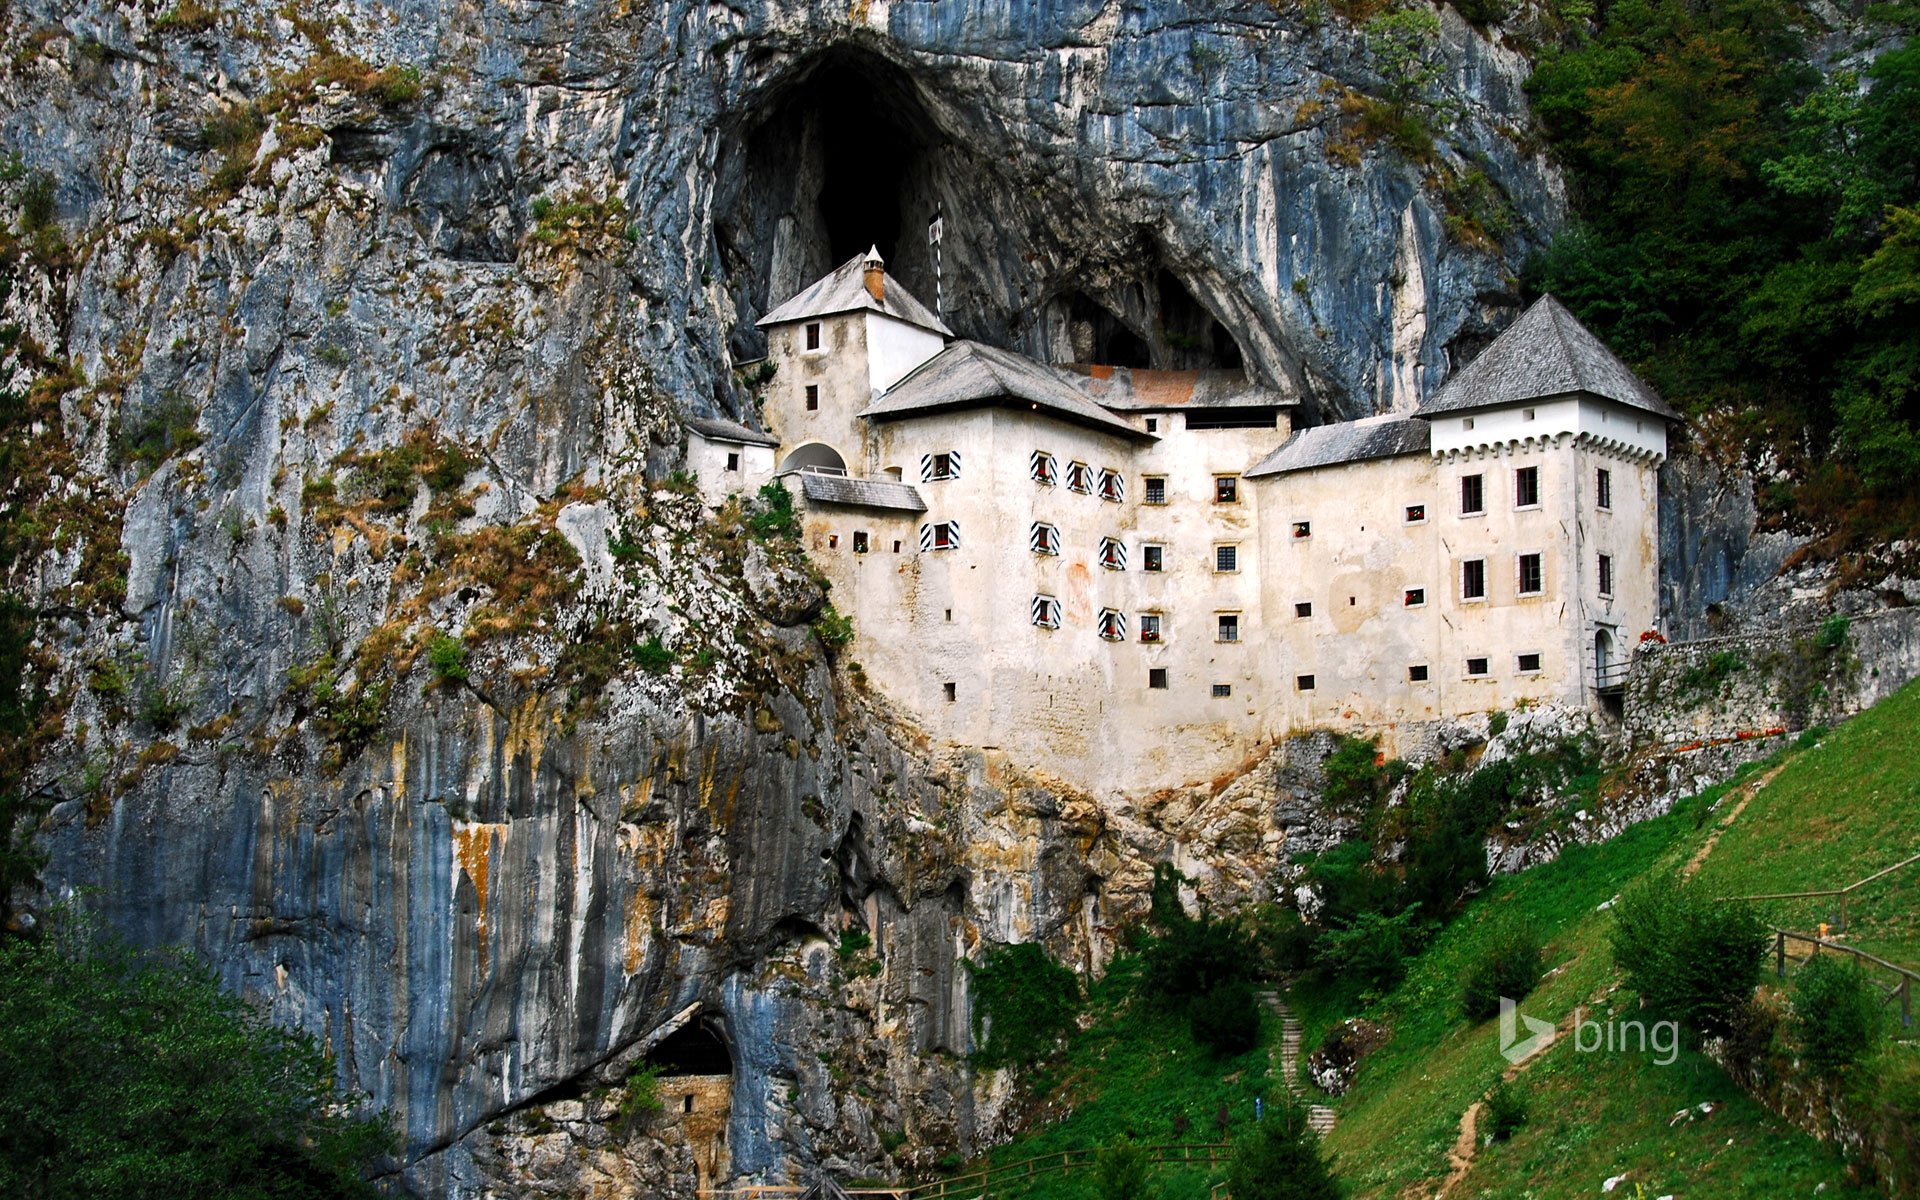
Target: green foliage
[151,435]
[1690,959]
[1371,948]
[1280,1159]
[447,655]
[1404,46]
[641,1104]
[1120,1171]
[833,628]
[1190,958]
[1356,775]
[1833,634]
[653,656]
[37,208]
[1508,966]
[131,1076]
[1227,1019]
[20,705]
[1705,679]
[1024,1003]
[1506,1111]
[773,515]
[1836,1013]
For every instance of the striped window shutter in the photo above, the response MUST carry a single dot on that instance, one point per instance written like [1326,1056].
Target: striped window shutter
[926,538]
[953,464]
[926,468]
[1046,612]
[1113,554]
[953,535]
[927,474]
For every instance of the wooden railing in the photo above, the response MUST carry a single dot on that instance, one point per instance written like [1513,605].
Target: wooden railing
[980,1185]
[1842,892]
[1901,990]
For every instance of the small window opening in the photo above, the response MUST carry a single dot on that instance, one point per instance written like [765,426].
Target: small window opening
[1303,682]
[1529,664]
[733,462]
[1157,678]
[1473,579]
[1226,559]
[1153,424]
[1606,574]
[813,335]
[1476,666]
[1153,558]
[952,691]
[1417,673]
[1302,529]
[1532,575]
[1303,609]
[1416,513]
[813,397]
[1149,627]
[860,545]
[1155,487]
[1415,597]
[833,541]
[1603,488]
[1229,627]
[1226,489]
[1526,487]
[1472,495]
[1222,690]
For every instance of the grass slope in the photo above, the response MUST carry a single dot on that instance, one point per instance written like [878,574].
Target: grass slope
[1836,812]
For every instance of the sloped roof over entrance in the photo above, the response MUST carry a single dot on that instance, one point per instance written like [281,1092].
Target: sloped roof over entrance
[1388,436]
[1545,353]
[844,290]
[862,493]
[968,374]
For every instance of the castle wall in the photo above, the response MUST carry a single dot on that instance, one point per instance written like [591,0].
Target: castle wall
[707,460]
[838,369]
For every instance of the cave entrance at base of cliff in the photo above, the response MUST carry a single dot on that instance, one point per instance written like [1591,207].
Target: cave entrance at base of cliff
[693,1049]
[1166,327]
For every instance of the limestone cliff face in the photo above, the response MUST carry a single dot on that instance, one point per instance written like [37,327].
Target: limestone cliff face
[401,681]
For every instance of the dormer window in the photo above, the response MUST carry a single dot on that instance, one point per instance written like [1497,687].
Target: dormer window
[1043,468]
[813,335]
[1113,554]
[1112,486]
[1113,625]
[1044,539]
[1080,478]
[934,467]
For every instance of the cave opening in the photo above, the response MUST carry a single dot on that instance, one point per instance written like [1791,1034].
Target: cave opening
[1195,338]
[692,1049]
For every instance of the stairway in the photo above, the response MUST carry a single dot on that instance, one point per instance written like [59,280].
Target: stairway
[1319,1117]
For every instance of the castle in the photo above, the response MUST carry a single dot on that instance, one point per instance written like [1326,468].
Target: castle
[1133,578]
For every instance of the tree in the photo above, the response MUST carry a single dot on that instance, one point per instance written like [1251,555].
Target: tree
[1690,958]
[1024,1003]
[1280,1159]
[135,1076]
[1120,1171]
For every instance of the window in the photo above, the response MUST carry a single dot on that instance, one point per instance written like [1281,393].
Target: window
[1416,513]
[860,544]
[1156,489]
[1226,559]
[1476,667]
[1606,574]
[1080,478]
[1153,424]
[939,466]
[833,541]
[1153,558]
[1303,609]
[952,690]
[1149,627]
[1473,579]
[1046,612]
[1303,682]
[896,545]
[1467,423]
[1415,598]
[1526,414]
[1302,529]
[1226,489]
[1529,664]
[686,1103]
[1417,673]
[1472,495]
[1526,487]
[944,535]
[1603,488]
[813,397]
[1532,577]
[1043,538]
[813,335]
[1157,678]
[1042,468]
[1113,625]
[1112,486]
[1229,627]
[1113,554]
[733,462]
[1222,690]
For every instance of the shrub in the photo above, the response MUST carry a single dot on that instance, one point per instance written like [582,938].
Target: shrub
[1120,1171]
[1690,958]
[1506,1111]
[773,516]
[642,1103]
[1371,948]
[448,657]
[1024,1003]
[1280,1159]
[1833,633]
[1355,774]
[1285,941]
[1509,967]
[833,628]
[1227,1020]
[1836,1013]
[653,656]
[156,433]
[1194,957]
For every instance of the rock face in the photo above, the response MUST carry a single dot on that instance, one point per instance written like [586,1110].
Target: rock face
[396,680]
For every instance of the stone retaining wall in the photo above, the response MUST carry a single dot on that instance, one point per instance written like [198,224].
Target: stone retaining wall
[1755,685]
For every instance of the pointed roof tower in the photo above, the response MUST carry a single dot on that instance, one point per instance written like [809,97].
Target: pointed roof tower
[859,283]
[1547,352]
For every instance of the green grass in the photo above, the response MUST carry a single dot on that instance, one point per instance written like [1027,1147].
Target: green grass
[1837,811]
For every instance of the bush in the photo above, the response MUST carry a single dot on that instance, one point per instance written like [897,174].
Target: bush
[1836,1013]
[131,1075]
[1506,1109]
[1024,1003]
[1509,967]
[1371,948]
[642,1103]
[1195,957]
[1833,633]
[773,515]
[833,628]
[448,657]
[1120,1171]
[653,656]
[1227,1020]
[1280,1159]
[1285,941]
[1355,773]
[1690,958]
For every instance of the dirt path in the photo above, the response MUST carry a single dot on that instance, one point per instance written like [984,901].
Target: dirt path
[1747,792]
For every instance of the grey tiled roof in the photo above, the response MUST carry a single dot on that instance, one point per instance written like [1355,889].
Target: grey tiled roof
[865,493]
[1138,389]
[1545,353]
[968,373]
[845,290]
[720,429]
[1388,436]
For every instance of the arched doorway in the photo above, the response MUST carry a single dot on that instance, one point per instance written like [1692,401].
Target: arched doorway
[815,456]
[1602,658]
[694,1083]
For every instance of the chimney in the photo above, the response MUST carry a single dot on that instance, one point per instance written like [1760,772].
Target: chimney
[876,275]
